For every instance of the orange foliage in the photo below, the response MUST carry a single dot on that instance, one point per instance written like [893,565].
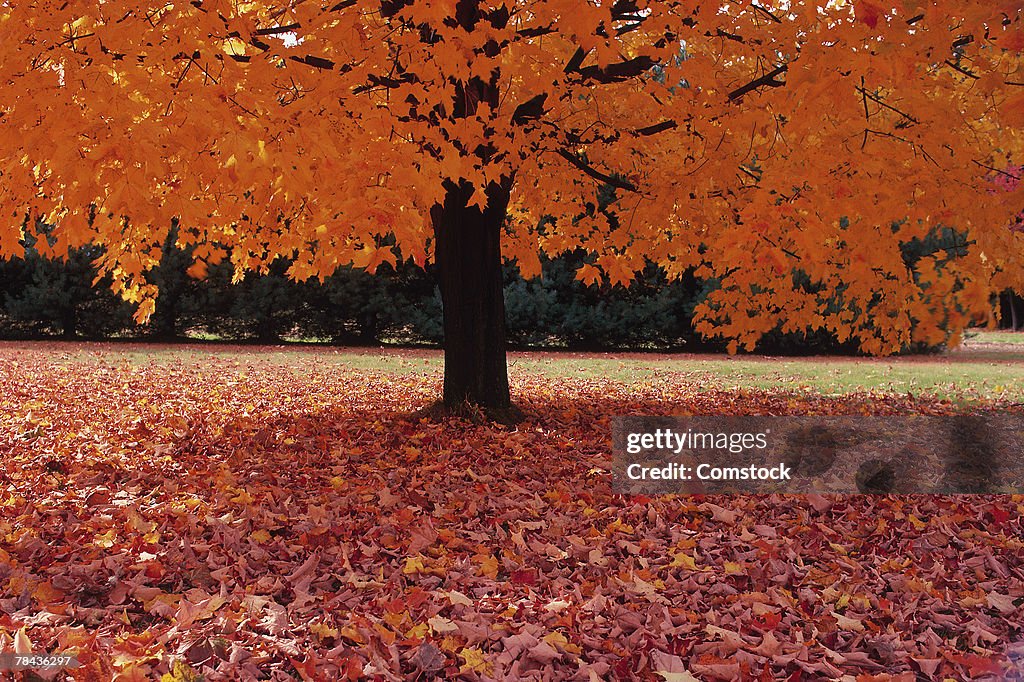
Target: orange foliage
[313,130]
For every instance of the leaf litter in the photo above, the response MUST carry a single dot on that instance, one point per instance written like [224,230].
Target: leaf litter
[235,519]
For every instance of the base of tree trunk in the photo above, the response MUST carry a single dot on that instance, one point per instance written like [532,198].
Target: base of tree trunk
[506,416]
[467,252]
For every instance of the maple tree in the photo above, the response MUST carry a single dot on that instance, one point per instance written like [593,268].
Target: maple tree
[747,140]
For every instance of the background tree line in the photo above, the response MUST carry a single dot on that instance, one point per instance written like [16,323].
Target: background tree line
[42,298]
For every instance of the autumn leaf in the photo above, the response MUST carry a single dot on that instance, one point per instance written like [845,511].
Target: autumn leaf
[180,672]
[681,559]
[22,644]
[868,12]
[473,661]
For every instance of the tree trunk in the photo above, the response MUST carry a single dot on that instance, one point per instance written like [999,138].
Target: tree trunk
[69,322]
[467,252]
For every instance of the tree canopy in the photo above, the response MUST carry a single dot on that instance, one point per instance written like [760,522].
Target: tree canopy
[789,150]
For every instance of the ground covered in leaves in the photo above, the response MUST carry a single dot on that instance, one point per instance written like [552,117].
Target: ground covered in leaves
[234,518]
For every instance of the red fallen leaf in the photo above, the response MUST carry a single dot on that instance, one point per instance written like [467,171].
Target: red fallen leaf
[999,515]
[523,577]
[417,597]
[204,649]
[306,669]
[726,516]
[543,653]
[769,620]
[519,642]
[428,658]
[819,503]
[1003,603]
[623,668]
[306,569]
[977,666]
[351,668]
[770,646]
[928,666]
[419,500]
[422,538]
[154,570]
[719,669]
[1012,41]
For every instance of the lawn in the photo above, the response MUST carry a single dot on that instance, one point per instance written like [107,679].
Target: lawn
[274,513]
[989,365]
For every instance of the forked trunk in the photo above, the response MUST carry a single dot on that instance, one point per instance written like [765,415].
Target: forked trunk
[467,252]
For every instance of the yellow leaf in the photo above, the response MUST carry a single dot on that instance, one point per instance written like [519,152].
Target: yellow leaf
[139,524]
[488,566]
[105,539]
[180,672]
[22,644]
[618,525]
[261,536]
[559,641]
[473,661]
[413,564]
[351,633]
[324,631]
[683,560]
[234,46]
[243,497]
[418,631]
[145,310]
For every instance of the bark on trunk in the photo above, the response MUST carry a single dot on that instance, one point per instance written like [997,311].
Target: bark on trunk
[69,323]
[468,257]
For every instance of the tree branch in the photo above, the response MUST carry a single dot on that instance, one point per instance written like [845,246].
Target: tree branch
[655,129]
[957,67]
[874,98]
[765,12]
[614,73]
[767,79]
[530,110]
[589,170]
[995,170]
